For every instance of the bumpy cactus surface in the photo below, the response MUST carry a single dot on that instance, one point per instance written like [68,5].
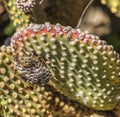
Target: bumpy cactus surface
[76,64]
[17,16]
[114,6]
[18,98]
[83,67]
[40,102]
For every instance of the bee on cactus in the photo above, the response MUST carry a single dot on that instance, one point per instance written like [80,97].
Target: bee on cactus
[33,69]
[82,64]
[65,60]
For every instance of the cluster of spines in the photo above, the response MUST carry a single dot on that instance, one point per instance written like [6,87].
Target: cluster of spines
[41,101]
[26,5]
[17,16]
[80,63]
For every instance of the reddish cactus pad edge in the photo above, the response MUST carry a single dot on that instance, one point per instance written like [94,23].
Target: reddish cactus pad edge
[73,36]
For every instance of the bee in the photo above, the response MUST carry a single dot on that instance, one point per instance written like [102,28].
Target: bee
[32,69]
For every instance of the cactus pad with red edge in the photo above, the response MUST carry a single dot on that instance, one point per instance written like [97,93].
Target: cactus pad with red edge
[83,67]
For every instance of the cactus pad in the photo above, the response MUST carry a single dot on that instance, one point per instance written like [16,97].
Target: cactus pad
[18,100]
[84,68]
[17,16]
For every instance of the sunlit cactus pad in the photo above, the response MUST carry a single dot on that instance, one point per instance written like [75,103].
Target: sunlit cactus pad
[18,99]
[18,17]
[83,67]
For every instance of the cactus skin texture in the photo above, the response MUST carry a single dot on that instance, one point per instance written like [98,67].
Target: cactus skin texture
[18,98]
[114,6]
[23,102]
[18,17]
[84,68]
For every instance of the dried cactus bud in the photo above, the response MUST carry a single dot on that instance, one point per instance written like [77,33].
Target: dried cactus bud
[81,64]
[17,100]
[26,5]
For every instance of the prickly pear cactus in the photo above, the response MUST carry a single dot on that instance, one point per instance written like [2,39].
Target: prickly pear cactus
[20,101]
[114,6]
[17,16]
[83,67]
[18,98]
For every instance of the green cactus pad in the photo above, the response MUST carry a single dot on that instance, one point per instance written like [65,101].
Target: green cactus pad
[17,16]
[17,99]
[84,68]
